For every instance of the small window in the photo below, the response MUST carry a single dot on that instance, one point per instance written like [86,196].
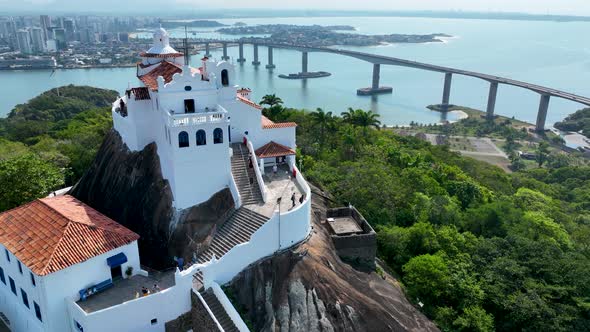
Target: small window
[188,88]
[2,277]
[20,267]
[12,285]
[33,281]
[25,298]
[201,137]
[218,136]
[7,254]
[154,321]
[78,326]
[224,77]
[38,311]
[183,139]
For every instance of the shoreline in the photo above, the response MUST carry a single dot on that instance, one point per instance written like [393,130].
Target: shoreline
[68,68]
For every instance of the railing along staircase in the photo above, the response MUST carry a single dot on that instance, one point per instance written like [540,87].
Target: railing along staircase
[244,175]
[238,229]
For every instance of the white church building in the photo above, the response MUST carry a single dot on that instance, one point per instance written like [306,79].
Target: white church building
[193,114]
[66,267]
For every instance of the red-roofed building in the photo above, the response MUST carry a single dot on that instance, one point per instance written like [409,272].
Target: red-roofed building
[50,250]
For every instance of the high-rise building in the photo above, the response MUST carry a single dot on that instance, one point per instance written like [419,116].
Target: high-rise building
[45,25]
[59,34]
[24,41]
[4,26]
[38,40]
[123,37]
[70,27]
[87,36]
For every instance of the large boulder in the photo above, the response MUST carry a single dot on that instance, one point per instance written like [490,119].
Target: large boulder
[129,188]
[311,289]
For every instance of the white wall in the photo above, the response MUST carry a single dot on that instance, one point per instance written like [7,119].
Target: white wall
[67,283]
[21,318]
[51,290]
[294,225]
[199,171]
[136,314]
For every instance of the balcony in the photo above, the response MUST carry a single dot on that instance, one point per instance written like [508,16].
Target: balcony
[207,115]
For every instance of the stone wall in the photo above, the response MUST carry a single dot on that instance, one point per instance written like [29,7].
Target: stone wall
[359,249]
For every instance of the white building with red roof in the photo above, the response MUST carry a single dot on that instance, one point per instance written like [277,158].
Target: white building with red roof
[193,115]
[66,267]
[56,249]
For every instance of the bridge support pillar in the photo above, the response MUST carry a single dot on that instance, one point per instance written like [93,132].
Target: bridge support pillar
[241,59]
[304,61]
[207,50]
[256,62]
[225,57]
[542,114]
[270,64]
[492,100]
[375,88]
[447,91]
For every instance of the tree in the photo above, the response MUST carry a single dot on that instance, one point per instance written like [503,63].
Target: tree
[323,120]
[542,153]
[25,178]
[271,100]
[361,118]
[427,277]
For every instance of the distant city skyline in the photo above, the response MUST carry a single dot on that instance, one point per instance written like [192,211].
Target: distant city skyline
[564,7]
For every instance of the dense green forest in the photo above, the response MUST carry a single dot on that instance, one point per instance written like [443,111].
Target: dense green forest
[50,141]
[481,249]
[579,121]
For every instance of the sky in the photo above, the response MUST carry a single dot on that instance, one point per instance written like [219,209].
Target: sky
[555,7]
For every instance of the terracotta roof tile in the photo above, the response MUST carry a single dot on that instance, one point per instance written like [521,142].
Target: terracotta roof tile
[158,55]
[51,234]
[165,69]
[249,102]
[269,124]
[273,149]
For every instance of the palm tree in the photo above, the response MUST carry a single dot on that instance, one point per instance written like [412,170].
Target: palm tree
[271,100]
[324,120]
[361,118]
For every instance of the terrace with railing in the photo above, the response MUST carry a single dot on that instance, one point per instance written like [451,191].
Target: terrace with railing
[206,115]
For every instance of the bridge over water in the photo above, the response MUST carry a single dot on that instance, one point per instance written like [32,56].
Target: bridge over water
[378,60]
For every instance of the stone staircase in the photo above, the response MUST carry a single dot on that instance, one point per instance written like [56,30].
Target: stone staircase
[249,193]
[236,230]
[218,311]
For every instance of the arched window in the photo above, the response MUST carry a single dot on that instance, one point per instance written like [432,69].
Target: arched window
[183,139]
[201,137]
[218,136]
[224,77]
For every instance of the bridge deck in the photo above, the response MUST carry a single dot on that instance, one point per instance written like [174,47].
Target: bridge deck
[387,60]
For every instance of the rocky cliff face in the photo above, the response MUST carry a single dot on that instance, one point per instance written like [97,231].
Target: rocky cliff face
[129,188]
[310,289]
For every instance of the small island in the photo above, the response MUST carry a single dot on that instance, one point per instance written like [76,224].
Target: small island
[191,24]
[323,36]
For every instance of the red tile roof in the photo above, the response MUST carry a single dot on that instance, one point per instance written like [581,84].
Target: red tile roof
[268,124]
[157,55]
[51,234]
[273,149]
[165,69]
[249,102]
